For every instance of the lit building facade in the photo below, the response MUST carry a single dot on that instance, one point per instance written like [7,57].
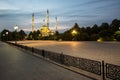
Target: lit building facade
[32,22]
[45,31]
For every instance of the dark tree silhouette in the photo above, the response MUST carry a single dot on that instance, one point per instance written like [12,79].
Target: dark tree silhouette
[22,35]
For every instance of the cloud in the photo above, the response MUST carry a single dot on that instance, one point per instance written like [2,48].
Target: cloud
[6,4]
[84,12]
[111,5]
[91,2]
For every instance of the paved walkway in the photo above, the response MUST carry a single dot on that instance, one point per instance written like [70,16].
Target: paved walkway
[15,64]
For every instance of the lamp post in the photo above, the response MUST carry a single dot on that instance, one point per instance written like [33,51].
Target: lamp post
[6,33]
[6,36]
[3,37]
[15,28]
[74,33]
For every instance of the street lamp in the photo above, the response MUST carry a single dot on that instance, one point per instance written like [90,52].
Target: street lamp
[74,32]
[3,37]
[6,35]
[15,28]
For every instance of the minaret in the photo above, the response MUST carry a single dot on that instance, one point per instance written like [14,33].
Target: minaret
[32,22]
[43,21]
[56,24]
[47,18]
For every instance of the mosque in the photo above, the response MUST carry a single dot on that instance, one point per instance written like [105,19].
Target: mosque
[44,29]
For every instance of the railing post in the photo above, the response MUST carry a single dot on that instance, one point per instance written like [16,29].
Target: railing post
[32,49]
[62,58]
[43,53]
[26,47]
[103,70]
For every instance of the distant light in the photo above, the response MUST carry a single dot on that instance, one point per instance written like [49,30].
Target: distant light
[115,39]
[16,27]
[6,32]
[3,34]
[100,40]
[74,32]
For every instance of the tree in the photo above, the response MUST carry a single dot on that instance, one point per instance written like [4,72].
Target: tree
[104,26]
[15,35]
[94,37]
[56,36]
[95,29]
[115,25]
[67,35]
[94,32]
[34,35]
[6,35]
[0,36]
[30,36]
[38,34]
[117,35]
[84,36]
[22,35]
[106,35]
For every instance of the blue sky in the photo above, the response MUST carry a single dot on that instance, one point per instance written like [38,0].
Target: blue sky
[84,12]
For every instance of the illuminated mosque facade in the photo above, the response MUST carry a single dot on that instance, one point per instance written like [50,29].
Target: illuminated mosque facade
[44,29]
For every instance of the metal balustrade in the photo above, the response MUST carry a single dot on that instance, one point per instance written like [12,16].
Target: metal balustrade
[112,71]
[99,68]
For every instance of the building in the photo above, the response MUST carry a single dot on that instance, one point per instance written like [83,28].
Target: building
[45,31]
[32,22]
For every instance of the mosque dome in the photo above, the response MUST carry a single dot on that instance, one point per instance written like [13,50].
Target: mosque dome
[44,26]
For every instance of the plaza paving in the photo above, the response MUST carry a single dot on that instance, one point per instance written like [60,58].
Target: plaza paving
[17,64]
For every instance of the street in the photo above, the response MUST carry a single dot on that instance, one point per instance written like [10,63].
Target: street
[17,64]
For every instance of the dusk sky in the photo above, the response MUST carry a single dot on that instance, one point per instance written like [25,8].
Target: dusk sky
[83,12]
